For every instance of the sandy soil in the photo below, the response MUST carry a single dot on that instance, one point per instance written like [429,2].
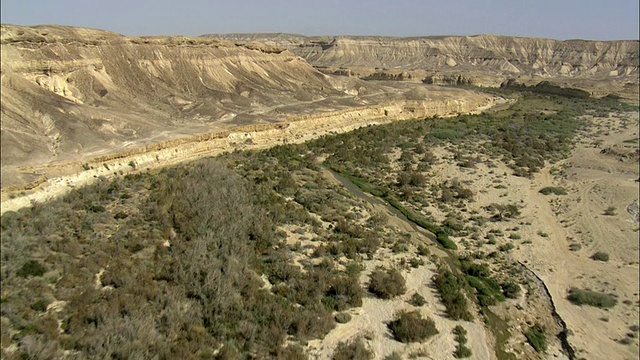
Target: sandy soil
[558,236]
[560,233]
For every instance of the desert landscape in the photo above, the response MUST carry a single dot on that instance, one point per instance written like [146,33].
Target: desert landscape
[330,197]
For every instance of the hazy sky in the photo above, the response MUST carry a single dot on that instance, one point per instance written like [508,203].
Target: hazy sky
[559,19]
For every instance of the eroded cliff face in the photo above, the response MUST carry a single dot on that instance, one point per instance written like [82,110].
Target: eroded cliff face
[600,67]
[73,94]
[71,91]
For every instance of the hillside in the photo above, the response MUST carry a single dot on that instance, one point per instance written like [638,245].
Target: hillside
[72,94]
[598,67]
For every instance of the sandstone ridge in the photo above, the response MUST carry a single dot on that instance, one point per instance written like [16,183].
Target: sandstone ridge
[294,130]
[72,94]
[599,67]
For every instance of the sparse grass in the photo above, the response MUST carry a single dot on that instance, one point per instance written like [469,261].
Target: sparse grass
[591,298]
[537,338]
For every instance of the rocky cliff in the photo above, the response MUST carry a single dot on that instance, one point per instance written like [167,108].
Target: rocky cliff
[75,94]
[599,67]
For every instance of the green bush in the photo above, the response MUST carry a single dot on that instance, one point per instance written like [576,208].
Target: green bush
[40,305]
[31,268]
[610,211]
[553,190]
[591,298]
[411,327]
[506,247]
[460,335]
[449,287]
[600,256]
[536,337]
[444,240]
[423,250]
[343,318]
[417,300]
[387,284]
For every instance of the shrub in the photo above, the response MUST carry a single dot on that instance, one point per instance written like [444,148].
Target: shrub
[536,337]
[411,327]
[423,250]
[96,208]
[504,211]
[553,190]
[444,240]
[343,317]
[40,305]
[511,290]
[31,268]
[387,284]
[610,211]
[449,286]
[461,338]
[600,256]
[416,262]
[591,298]
[417,300]
[352,350]
[506,247]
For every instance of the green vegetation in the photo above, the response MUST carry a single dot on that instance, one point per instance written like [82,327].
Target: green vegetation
[600,256]
[449,286]
[610,211]
[417,300]
[411,327]
[343,318]
[31,268]
[462,351]
[553,190]
[387,284]
[536,337]
[487,290]
[198,253]
[170,266]
[591,298]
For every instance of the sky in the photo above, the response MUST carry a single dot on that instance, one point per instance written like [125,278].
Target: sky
[558,19]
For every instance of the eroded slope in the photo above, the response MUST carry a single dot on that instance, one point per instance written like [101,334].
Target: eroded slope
[598,67]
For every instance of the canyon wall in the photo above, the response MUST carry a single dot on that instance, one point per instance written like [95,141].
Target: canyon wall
[599,67]
[261,136]
[73,92]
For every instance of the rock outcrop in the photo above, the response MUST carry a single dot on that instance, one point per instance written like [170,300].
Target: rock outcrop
[70,95]
[598,67]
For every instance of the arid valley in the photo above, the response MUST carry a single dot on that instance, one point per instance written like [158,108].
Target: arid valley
[324,197]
